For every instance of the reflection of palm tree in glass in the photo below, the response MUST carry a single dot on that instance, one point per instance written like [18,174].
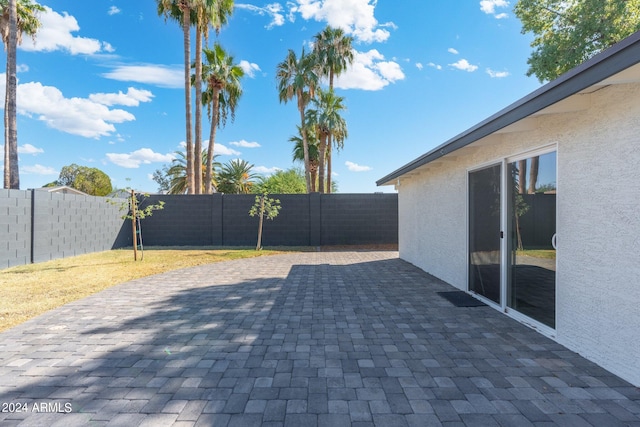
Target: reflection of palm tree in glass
[520,207]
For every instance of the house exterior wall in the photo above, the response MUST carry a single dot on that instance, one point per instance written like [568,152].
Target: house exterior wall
[598,223]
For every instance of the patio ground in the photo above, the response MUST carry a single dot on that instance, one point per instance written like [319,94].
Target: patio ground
[304,339]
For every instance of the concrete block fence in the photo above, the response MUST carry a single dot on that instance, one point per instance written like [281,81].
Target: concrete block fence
[304,220]
[36,225]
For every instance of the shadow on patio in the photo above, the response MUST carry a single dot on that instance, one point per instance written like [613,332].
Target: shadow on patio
[301,339]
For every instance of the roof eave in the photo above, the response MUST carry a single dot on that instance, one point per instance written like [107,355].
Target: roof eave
[602,66]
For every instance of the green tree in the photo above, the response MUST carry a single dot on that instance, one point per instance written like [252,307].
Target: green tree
[173,179]
[221,97]
[567,33]
[214,13]
[264,207]
[334,53]
[201,14]
[297,78]
[298,152]
[181,11]
[290,181]
[17,17]
[136,212]
[236,177]
[329,123]
[161,177]
[88,180]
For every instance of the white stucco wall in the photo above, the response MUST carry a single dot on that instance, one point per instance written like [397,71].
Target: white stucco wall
[598,222]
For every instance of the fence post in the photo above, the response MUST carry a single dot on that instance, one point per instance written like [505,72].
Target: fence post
[32,241]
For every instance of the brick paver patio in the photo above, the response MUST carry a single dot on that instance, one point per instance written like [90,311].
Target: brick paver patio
[305,339]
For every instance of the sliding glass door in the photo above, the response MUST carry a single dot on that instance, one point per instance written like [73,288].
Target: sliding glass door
[531,269]
[484,232]
[512,235]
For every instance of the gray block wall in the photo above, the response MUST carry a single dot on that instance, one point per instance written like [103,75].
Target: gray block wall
[304,220]
[15,228]
[37,226]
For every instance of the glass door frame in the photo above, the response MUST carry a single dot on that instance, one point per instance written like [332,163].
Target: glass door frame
[476,168]
[539,326]
[504,241]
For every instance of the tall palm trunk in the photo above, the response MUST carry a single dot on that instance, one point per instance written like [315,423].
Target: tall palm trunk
[305,142]
[197,173]
[11,171]
[314,176]
[329,142]
[212,139]
[322,149]
[7,162]
[329,166]
[186,24]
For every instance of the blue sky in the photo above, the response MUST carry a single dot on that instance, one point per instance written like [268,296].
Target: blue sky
[102,86]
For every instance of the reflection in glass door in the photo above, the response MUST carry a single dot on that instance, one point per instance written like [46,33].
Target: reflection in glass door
[531,269]
[484,232]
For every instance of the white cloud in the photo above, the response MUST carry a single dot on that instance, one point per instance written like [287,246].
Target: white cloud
[355,17]
[452,50]
[436,66]
[273,10]
[263,170]
[489,7]
[113,10]
[464,65]
[497,74]
[30,149]
[419,66]
[132,98]
[22,68]
[222,150]
[369,71]
[245,144]
[249,68]
[56,33]
[77,116]
[158,75]
[134,159]
[354,167]
[38,170]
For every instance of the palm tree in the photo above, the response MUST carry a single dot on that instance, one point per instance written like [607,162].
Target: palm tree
[298,153]
[213,13]
[222,77]
[18,16]
[296,77]
[182,11]
[178,177]
[334,53]
[236,177]
[201,13]
[329,123]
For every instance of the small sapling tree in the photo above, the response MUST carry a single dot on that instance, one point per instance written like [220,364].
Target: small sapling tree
[264,207]
[131,206]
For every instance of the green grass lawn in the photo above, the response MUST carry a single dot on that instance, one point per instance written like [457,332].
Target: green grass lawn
[538,253]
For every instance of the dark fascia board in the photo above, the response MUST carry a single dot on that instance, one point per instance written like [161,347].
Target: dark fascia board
[617,58]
